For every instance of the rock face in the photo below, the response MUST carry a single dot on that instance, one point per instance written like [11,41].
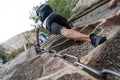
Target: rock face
[45,66]
[84,3]
[18,41]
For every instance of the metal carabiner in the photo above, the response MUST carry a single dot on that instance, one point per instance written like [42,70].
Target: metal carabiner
[54,52]
[70,56]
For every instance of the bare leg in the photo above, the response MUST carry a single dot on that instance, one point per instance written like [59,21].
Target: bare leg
[72,34]
[113,3]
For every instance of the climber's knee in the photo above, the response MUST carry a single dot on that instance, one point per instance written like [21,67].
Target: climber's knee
[65,32]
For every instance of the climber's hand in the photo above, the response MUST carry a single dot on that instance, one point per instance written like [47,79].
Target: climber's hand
[38,44]
[38,49]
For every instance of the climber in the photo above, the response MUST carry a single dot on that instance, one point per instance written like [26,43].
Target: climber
[113,3]
[57,24]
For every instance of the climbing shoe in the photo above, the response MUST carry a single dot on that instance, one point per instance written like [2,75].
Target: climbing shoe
[96,40]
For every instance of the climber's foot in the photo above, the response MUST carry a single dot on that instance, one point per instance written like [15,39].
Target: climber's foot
[97,40]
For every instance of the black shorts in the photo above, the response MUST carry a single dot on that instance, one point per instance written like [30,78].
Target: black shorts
[55,22]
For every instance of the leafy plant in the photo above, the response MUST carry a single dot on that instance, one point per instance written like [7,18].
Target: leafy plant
[62,7]
[3,55]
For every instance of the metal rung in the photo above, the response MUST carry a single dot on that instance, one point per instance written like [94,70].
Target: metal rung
[58,55]
[71,56]
[52,51]
[97,72]
[106,71]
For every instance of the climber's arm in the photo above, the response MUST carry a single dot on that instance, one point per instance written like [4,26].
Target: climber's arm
[37,37]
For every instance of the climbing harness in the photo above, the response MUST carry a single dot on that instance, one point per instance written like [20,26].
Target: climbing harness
[75,61]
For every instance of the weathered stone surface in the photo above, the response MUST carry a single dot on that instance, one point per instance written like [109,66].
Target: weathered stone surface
[57,69]
[106,56]
[85,3]
[22,61]
[18,41]
[44,66]
[96,15]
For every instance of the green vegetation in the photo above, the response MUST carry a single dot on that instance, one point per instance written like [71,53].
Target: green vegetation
[3,55]
[18,51]
[15,53]
[45,30]
[6,57]
[29,44]
[33,15]
[62,7]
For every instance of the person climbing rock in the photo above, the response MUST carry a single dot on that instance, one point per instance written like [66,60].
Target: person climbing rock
[113,4]
[57,24]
